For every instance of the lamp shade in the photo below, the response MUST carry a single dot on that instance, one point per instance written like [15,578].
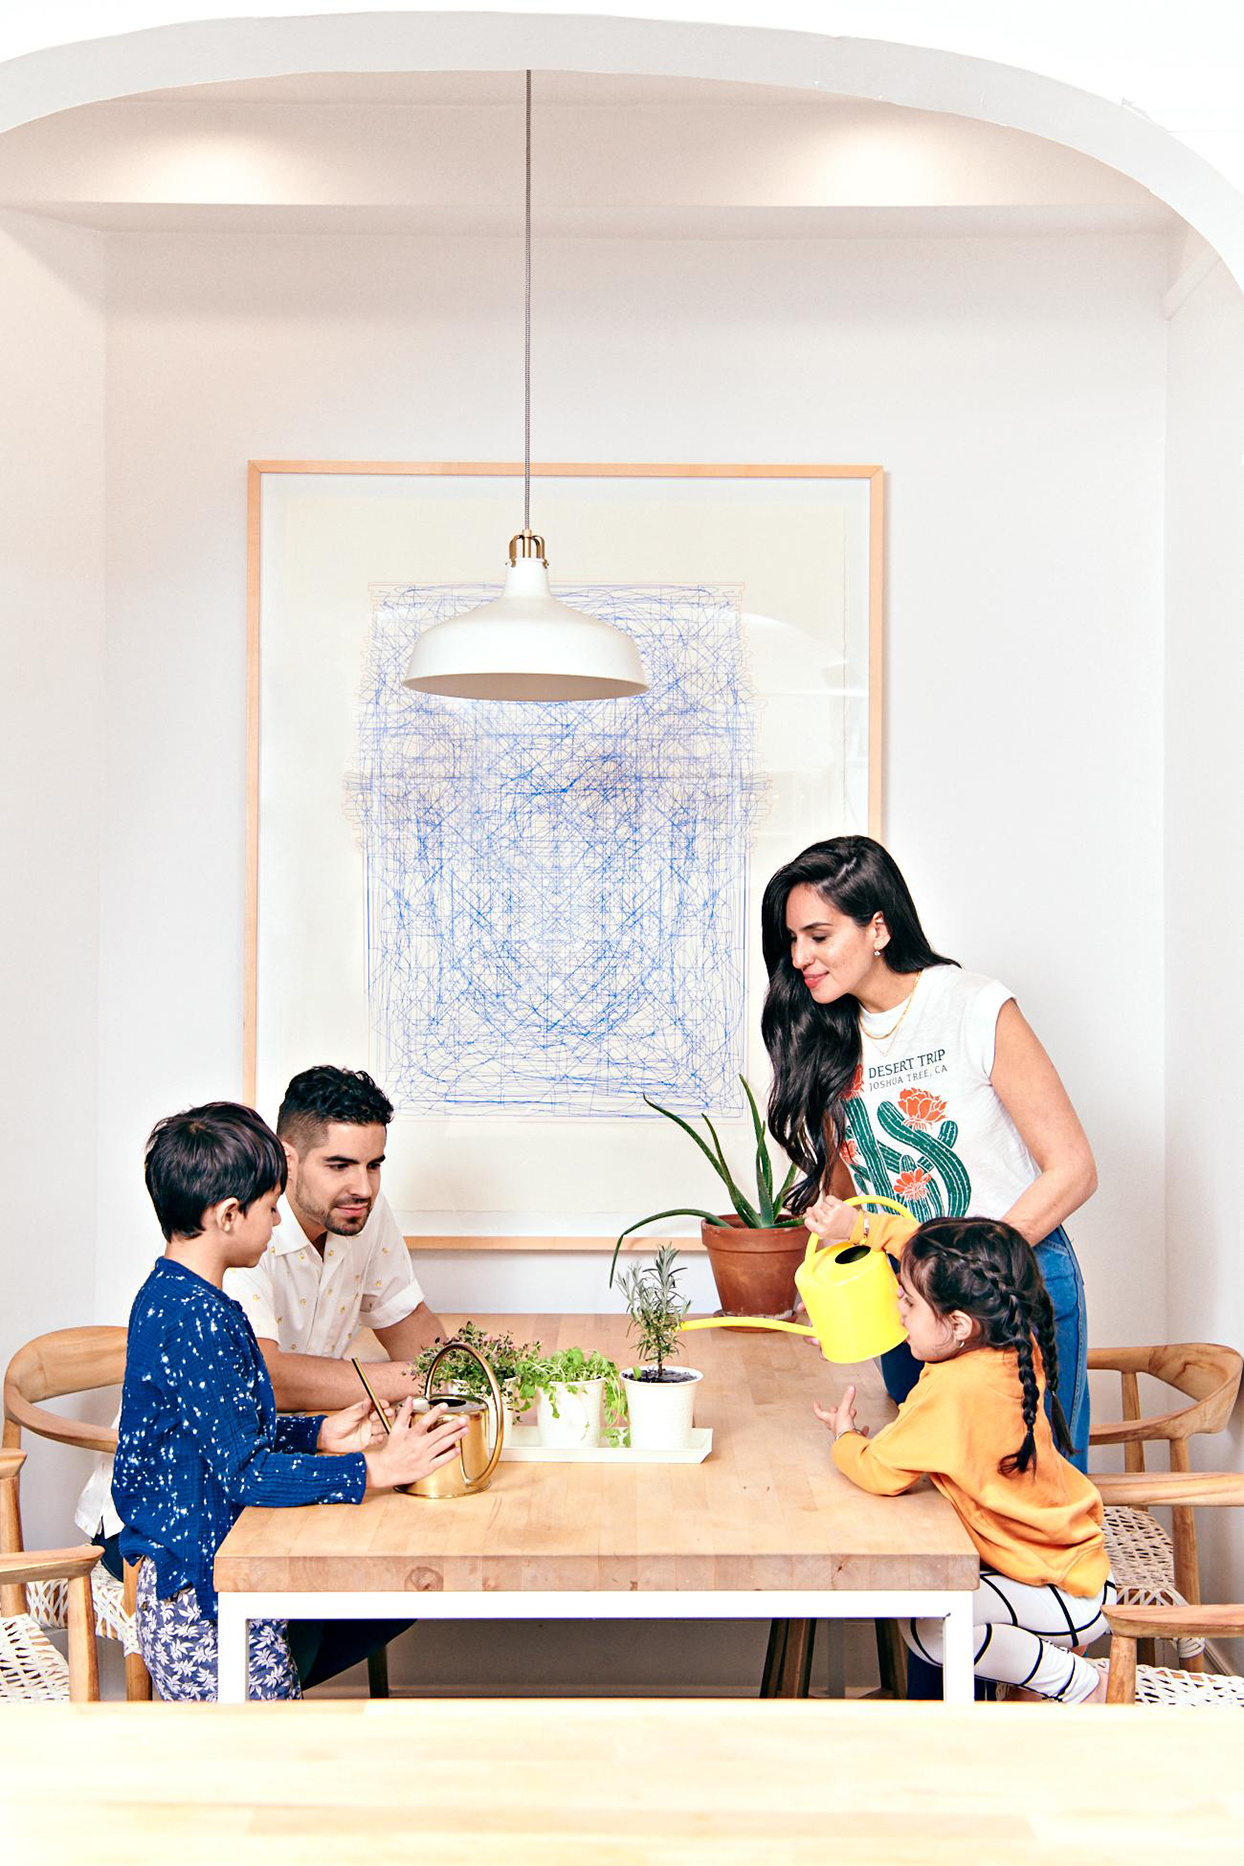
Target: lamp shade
[525,645]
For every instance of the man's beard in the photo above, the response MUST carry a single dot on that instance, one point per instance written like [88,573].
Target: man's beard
[338,1227]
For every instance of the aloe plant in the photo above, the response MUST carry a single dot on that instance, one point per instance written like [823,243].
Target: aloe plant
[764,1215]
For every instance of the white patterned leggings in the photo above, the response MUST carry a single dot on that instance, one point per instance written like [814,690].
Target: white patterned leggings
[1025,1636]
[179,1649]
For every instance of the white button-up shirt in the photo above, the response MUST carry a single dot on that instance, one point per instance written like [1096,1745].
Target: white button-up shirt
[307,1304]
[310,1304]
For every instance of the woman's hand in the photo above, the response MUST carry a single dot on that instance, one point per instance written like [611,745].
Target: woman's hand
[354,1428]
[840,1418]
[831,1219]
[418,1444]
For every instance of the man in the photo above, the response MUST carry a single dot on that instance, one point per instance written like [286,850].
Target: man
[336,1263]
[339,1263]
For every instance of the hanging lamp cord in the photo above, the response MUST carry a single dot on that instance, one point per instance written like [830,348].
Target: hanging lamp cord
[527,329]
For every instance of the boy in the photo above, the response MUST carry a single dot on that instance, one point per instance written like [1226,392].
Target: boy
[200,1437]
[337,1264]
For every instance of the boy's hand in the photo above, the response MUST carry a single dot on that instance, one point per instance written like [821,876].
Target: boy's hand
[354,1428]
[418,1444]
[831,1219]
[841,1418]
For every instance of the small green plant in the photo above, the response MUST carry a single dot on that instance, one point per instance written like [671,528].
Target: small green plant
[461,1374]
[764,1215]
[572,1367]
[655,1308]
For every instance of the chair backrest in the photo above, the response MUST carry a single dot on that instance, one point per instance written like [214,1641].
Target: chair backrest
[1206,1371]
[70,1360]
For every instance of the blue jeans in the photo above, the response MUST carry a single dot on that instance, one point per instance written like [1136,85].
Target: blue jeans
[900,1370]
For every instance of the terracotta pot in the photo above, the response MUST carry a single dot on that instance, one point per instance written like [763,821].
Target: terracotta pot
[754,1270]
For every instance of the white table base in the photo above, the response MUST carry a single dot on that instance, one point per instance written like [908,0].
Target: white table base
[952,1606]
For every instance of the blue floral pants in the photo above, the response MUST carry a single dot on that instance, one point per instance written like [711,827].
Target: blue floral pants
[180,1651]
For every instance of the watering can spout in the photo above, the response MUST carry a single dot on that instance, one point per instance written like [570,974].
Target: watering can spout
[850,1293]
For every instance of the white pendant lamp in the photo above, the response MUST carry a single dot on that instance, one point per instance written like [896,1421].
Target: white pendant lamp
[526,645]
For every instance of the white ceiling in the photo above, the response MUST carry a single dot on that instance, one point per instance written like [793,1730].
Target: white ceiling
[480,87]
[619,158]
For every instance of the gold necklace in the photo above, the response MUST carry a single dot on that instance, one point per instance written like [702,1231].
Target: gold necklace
[885,1035]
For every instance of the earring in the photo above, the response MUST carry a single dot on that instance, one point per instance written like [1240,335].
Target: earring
[876,952]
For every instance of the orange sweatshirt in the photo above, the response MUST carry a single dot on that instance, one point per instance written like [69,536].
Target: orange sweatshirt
[961,1417]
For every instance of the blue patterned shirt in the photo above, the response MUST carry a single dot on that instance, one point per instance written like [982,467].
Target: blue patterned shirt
[200,1437]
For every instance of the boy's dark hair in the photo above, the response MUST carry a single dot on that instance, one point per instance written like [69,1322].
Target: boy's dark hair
[989,1271]
[219,1151]
[325,1094]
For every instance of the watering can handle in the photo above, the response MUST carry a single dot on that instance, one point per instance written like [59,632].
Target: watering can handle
[494,1394]
[861,1199]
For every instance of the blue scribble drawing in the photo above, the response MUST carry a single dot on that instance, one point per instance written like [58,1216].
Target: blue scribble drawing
[556,895]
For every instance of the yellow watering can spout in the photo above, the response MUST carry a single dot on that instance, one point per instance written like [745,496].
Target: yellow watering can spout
[850,1293]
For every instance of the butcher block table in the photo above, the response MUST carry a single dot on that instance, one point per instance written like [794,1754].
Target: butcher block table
[766,1528]
[629,1783]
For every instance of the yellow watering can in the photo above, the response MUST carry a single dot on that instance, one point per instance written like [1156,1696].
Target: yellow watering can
[850,1293]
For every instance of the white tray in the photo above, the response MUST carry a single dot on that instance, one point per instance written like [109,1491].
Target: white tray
[522,1446]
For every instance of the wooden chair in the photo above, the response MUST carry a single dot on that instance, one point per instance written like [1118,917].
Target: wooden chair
[1136,1683]
[73,1360]
[31,1668]
[1150,1568]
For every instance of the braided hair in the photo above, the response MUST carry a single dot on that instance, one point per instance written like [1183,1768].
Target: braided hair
[984,1268]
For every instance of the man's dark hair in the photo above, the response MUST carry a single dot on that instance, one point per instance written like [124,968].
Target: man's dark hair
[325,1094]
[196,1159]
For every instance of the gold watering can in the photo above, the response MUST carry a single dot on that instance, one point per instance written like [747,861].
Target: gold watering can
[850,1293]
[475,1463]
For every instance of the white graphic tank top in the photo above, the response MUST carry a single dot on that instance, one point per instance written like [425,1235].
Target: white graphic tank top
[924,1123]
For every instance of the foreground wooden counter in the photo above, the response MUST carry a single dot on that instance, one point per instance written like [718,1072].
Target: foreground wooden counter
[766,1528]
[616,1783]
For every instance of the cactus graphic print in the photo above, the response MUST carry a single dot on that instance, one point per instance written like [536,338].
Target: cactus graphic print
[923,1122]
[913,1158]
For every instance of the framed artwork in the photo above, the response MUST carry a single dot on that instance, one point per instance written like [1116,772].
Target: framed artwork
[525,919]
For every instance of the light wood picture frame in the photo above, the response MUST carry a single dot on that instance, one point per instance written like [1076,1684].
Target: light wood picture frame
[862,488]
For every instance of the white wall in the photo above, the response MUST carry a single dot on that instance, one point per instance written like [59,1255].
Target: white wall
[1204,877]
[1014,390]
[51,625]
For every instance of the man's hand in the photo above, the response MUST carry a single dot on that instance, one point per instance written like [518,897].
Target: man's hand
[832,1220]
[354,1428]
[393,1381]
[418,1444]
[841,1418]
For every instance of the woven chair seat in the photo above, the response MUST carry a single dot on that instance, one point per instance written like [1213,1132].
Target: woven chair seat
[48,1604]
[1155,1684]
[1142,1561]
[31,1669]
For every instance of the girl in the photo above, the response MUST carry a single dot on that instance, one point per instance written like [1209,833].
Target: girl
[979,1318]
[896,1070]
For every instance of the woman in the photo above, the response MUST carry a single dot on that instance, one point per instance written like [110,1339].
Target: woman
[897,1073]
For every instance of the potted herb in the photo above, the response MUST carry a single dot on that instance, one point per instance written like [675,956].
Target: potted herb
[458,1373]
[659,1398]
[578,1396]
[754,1251]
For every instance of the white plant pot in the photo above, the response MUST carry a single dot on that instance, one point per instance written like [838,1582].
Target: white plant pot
[662,1412]
[508,1419]
[579,1416]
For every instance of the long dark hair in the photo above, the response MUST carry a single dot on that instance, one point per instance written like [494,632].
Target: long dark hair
[986,1269]
[815,1048]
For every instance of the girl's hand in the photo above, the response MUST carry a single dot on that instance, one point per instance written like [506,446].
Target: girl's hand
[418,1444]
[354,1428]
[831,1219]
[841,1418]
